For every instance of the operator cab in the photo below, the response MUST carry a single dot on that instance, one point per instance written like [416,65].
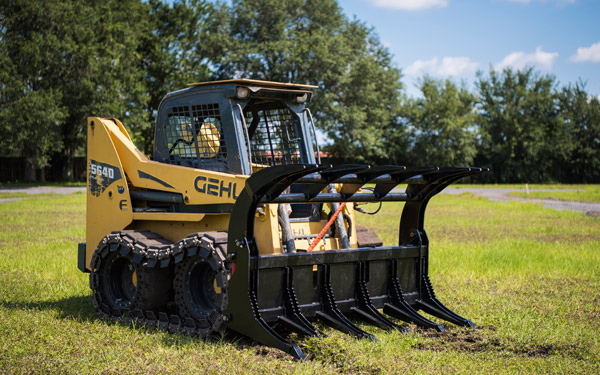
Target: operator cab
[235,126]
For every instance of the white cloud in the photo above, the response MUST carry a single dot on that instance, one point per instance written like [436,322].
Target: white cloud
[409,4]
[520,60]
[447,66]
[591,53]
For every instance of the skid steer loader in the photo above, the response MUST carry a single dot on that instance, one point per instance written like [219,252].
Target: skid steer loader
[235,223]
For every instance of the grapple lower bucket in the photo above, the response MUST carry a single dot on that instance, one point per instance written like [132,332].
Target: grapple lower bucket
[285,289]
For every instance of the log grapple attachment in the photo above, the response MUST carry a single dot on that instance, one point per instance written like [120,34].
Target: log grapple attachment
[294,288]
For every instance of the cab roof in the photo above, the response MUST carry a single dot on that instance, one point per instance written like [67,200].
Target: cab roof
[256,83]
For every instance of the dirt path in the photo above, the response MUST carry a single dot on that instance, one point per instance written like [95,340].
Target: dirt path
[503,196]
[38,190]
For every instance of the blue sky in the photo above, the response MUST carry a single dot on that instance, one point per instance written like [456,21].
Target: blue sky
[454,38]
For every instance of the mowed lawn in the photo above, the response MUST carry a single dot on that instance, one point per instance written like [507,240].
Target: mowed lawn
[529,277]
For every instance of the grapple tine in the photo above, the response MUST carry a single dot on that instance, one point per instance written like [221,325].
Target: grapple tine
[293,317]
[242,311]
[280,183]
[330,313]
[382,189]
[431,305]
[296,326]
[370,174]
[331,174]
[399,308]
[412,231]
[365,308]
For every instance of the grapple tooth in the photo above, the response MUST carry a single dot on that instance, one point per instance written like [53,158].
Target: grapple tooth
[330,313]
[399,308]
[431,305]
[365,308]
[296,326]
[370,174]
[293,318]
[406,313]
[331,174]
[399,176]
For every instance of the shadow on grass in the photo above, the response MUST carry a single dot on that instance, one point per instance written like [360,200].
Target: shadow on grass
[78,308]
[81,309]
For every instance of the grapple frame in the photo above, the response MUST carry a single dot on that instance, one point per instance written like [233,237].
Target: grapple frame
[285,289]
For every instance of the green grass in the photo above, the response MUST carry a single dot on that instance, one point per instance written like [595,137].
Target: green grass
[527,276]
[590,193]
[531,186]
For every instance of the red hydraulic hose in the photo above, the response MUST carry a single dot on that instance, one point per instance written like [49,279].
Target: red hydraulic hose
[326,227]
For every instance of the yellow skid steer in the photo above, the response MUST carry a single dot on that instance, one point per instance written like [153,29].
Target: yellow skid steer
[235,223]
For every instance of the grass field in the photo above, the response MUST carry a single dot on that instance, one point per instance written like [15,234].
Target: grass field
[527,276]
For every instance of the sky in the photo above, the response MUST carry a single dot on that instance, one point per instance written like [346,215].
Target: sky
[455,38]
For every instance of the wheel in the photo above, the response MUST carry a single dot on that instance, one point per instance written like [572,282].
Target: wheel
[200,287]
[118,283]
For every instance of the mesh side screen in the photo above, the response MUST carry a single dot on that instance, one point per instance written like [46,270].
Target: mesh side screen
[196,140]
[212,150]
[179,135]
[274,141]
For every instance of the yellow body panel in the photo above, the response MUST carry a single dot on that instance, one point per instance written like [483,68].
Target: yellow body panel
[108,201]
[116,166]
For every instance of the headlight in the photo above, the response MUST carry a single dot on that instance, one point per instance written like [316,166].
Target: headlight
[242,92]
[302,98]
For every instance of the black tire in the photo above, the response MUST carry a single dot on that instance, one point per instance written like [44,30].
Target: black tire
[119,284]
[200,287]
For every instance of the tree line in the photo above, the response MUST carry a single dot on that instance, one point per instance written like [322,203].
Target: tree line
[64,60]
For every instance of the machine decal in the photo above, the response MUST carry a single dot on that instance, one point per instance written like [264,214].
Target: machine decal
[152,178]
[215,187]
[123,205]
[101,176]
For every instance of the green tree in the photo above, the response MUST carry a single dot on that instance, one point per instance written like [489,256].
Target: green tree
[176,51]
[76,58]
[29,120]
[442,124]
[523,136]
[312,42]
[581,113]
